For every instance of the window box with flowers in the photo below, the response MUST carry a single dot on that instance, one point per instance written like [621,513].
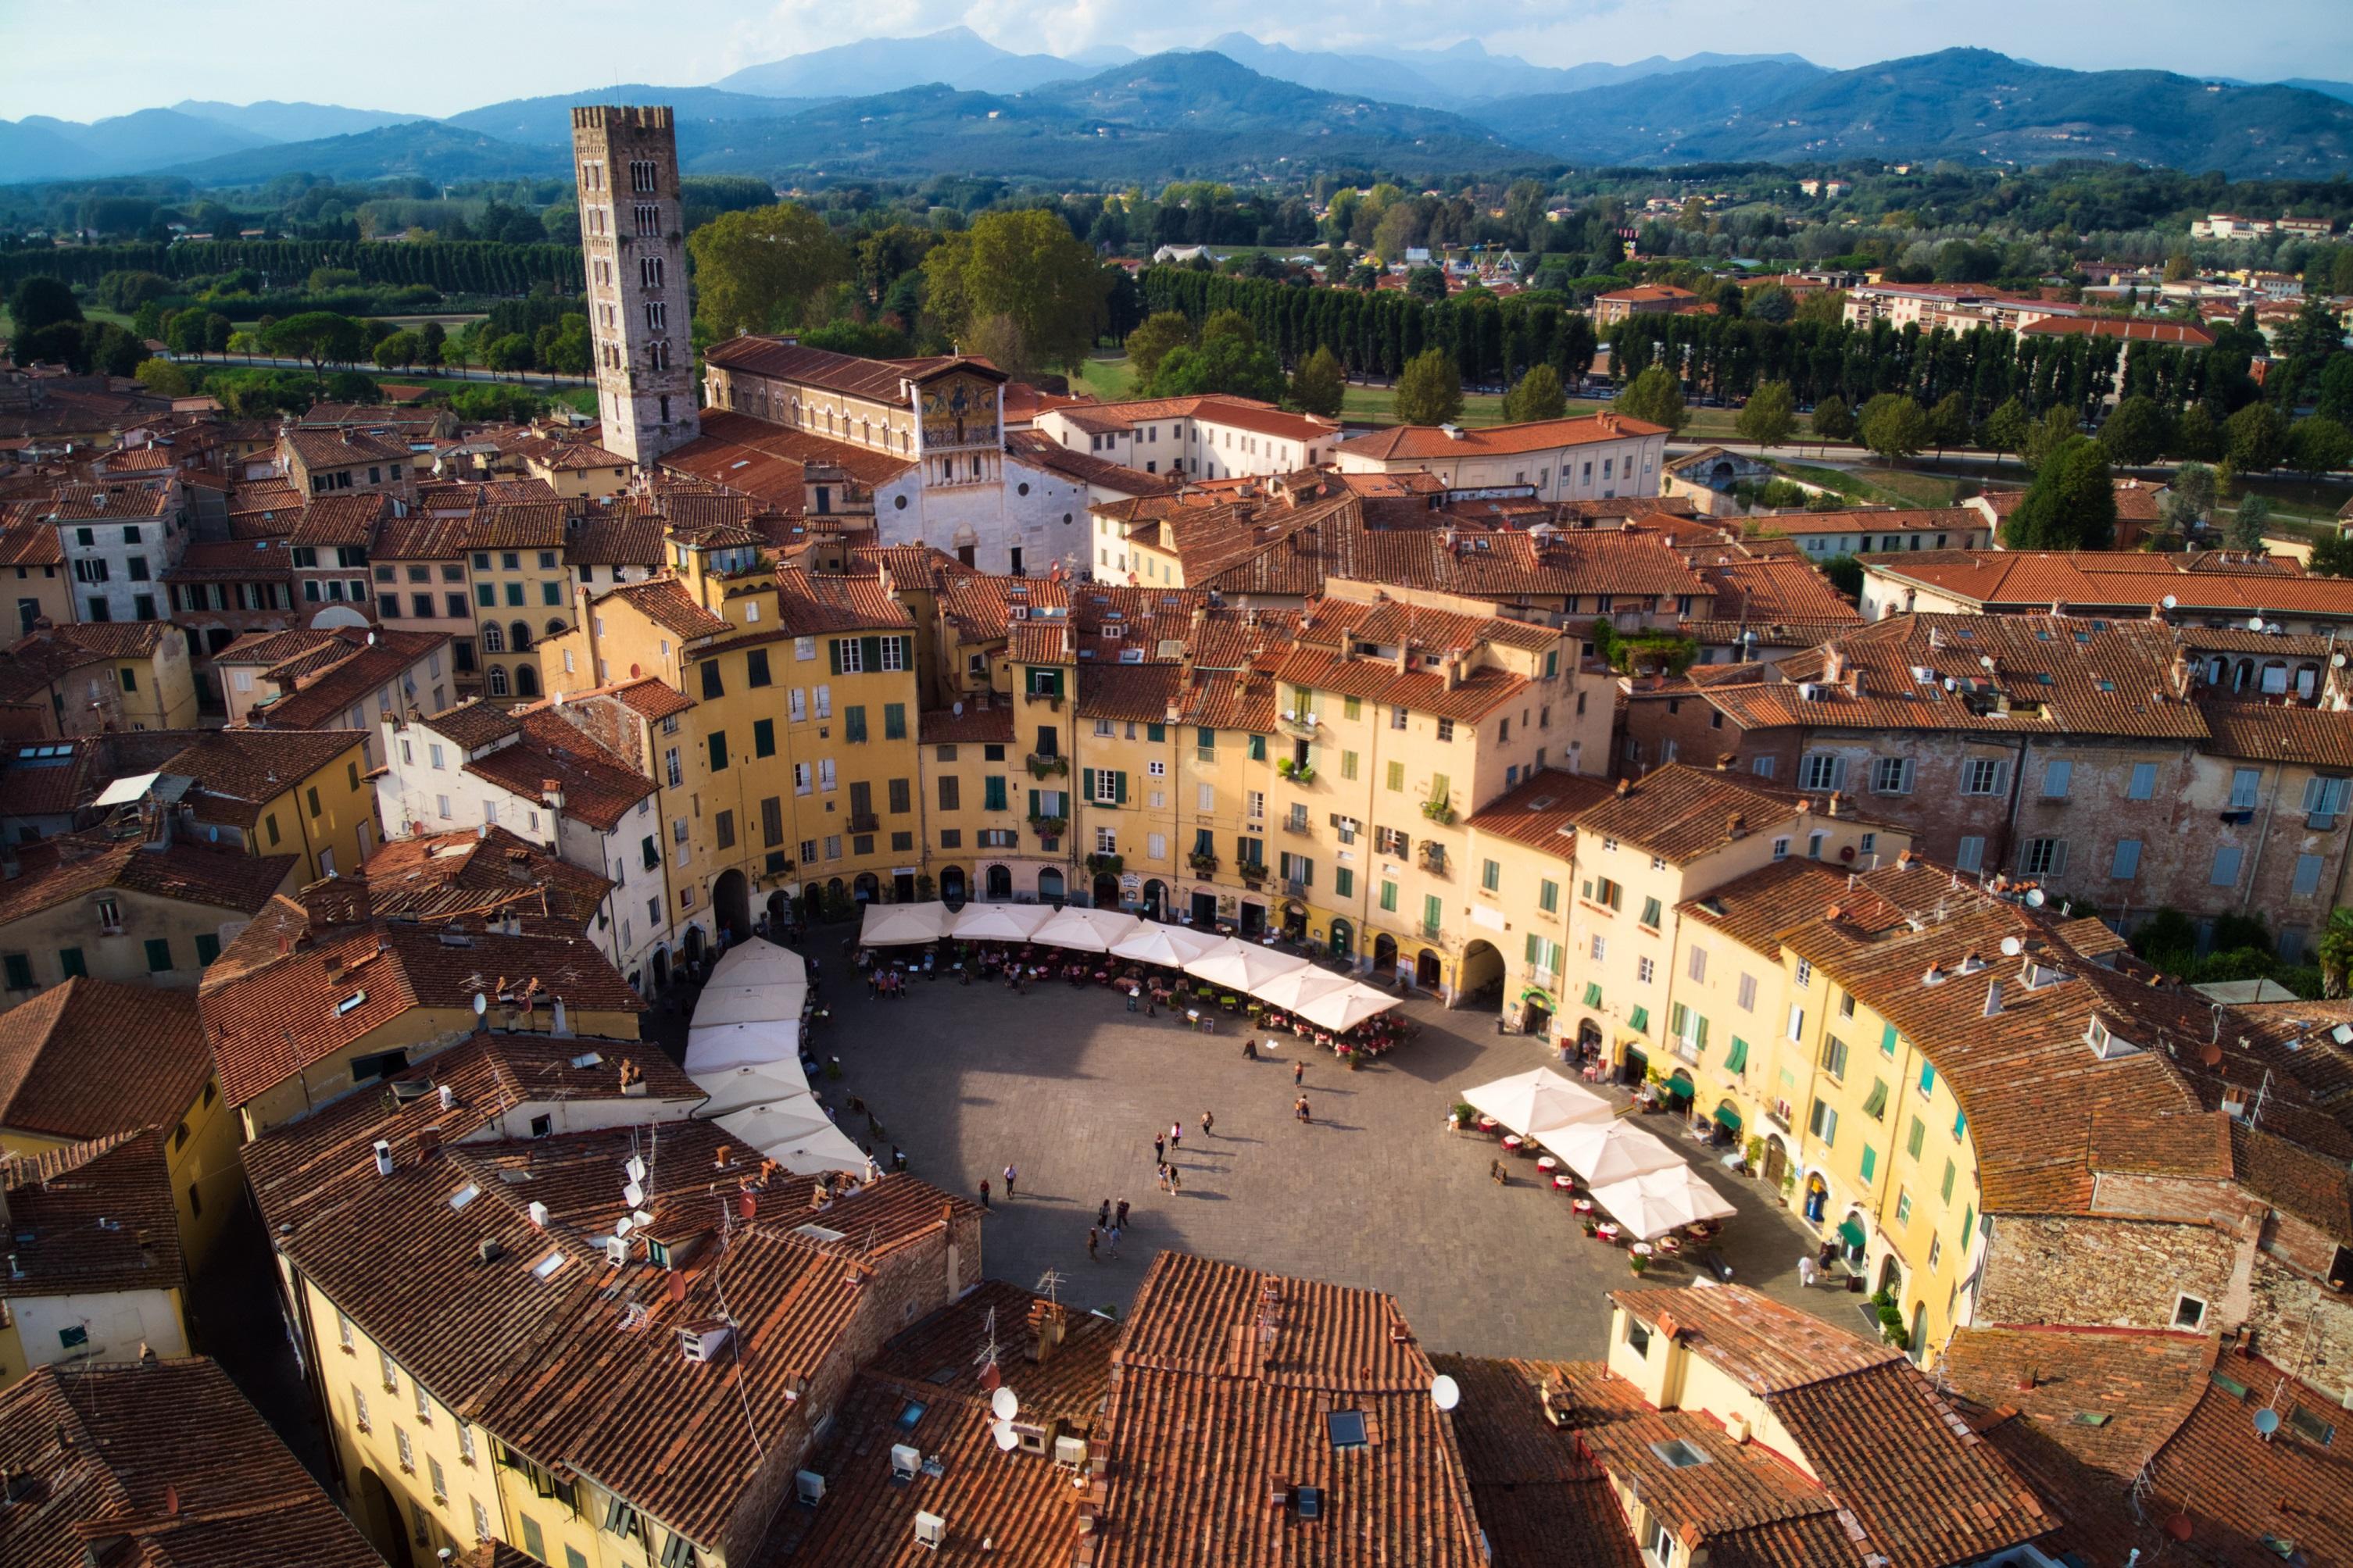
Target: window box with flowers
[1296,772]
[1050,827]
[1439,811]
[1042,766]
[1203,864]
[1104,865]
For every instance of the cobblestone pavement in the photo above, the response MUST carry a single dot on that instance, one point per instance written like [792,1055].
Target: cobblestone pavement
[1070,1087]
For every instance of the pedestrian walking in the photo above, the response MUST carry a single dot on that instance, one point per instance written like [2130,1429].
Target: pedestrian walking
[1208,1123]
[1176,1135]
[983,1193]
[1175,1181]
[898,1158]
[1103,1215]
[1112,1236]
[1298,1109]
[1119,1215]
[1162,1175]
[1009,1174]
[1093,1237]
[1808,1270]
[1299,1072]
[1159,1149]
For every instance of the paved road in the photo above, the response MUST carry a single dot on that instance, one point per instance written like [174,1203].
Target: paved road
[1070,1087]
[535,379]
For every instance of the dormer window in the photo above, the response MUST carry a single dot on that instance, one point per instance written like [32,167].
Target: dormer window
[1678,1455]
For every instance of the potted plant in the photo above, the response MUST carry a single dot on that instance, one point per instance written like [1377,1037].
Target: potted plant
[1462,1116]
[1637,1262]
[1754,1154]
[1050,827]
[1202,865]
[1439,811]
[1104,865]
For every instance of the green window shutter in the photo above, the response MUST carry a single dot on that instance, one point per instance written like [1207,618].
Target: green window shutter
[1433,912]
[1119,786]
[1389,897]
[1534,940]
[1919,1131]
[1968,1224]
[1438,789]
[894,721]
[1352,708]
[486,595]
[207,948]
[1641,1020]
[159,954]
[1887,1041]
[1876,1106]
[1699,1033]
[1737,1059]
[1870,1162]
[833,653]
[993,794]
[1258,748]
[20,971]
[764,738]
[1344,883]
[718,750]
[1396,776]
[70,963]
[1087,784]
[1592,994]
[1155,732]
[1950,1172]
[1677,1016]
[871,650]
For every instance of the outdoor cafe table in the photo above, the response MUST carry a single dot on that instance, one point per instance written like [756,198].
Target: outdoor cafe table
[1564,1184]
[1582,1205]
[1606,1230]
[1547,1163]
[1513,1141]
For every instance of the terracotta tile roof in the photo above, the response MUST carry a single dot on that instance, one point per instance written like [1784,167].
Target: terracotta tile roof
[2124,581]
[268,648]
[57,870]
[233,560]
[269,1020]
[517,525]
[1785,591]
[1023,1504]
[1541,813]
[100,1214]
[91,1057]
[1206,1414]
[419,536]
[2136,330]
[473,724]
[104,1465]
[808,604]
[1767,1347]
[472,874]
[1404,443]
[385,416]
[1740,1490]
[876,379]
[1241,413]
[52,653]
[238,772]
[326,690]
[30,543]
[1043,451]
[1871,520]
[770,461]
[979,723]
[346,520]
[47,777]
[2273,733]
[647,697]
[613,538]
[665,602]
[1754,909]
[1540,1499]
[1683,812]
[597,786]
[316,448]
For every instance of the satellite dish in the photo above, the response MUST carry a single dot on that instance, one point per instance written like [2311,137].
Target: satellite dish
[1005,1405]
[2266,1421]
[2012,947]
[2336,660]
[2171,602]
[2035,898]
[1986,659]
[481,1003]
[2178,1527]
[2255,623]
[1444,1392]
[2342,1034]
[2211,1055]
[1006,1438]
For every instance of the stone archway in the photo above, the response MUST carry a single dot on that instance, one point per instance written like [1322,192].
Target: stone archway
[731,905]
[661,969]
[998,882]
[1344,940]
[868,889]
[953,887]
[1480,980]
[1156,900]
[1428,969]
[1385,954]
[1106,891]
[1049,885]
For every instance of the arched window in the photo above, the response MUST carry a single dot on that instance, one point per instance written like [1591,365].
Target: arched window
[556,627]
[498,680]
[526,680]
[493,639]
[519,636]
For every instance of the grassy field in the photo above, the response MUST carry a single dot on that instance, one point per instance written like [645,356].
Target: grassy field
[1884,486]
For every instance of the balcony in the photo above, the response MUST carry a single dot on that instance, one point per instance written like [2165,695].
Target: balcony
[1298,825]
[1251,872]
[1434,858]
[1293,887]
[864,822]
[1046,765]
[1431,933]
[1203,864]
[1299,726]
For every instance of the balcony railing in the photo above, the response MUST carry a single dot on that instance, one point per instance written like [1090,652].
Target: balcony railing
[1302,725]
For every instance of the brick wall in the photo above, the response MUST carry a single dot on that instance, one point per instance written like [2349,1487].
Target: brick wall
[2303,1326]
[2100,1272]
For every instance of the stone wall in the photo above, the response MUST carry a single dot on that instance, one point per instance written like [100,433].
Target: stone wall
[2097,1272]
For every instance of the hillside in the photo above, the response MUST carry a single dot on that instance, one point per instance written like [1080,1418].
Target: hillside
[422,147]
[547,122]
[271,120]
[40,147]
[1962,103]
[956,56]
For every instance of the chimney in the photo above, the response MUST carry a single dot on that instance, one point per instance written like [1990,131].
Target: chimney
[1736,824]
[336,900]
[1993,999]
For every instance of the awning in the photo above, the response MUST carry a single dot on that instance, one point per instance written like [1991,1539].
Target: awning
[1542,998]
[1851,1233]
[1728,1119]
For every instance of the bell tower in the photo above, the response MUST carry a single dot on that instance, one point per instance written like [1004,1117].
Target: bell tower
[632,232]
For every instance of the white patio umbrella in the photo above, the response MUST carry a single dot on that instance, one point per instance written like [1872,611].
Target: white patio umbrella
[1000,923]
[798,1135]
[755,961]
[1532,1103]
[760,1083]
[1172,946]
[724,1046]
[1607,1151]
[1242,965]
[1657,1202]
[899,925]
[1299,987]
[1340,1011]
[780,1003]
[1088,931]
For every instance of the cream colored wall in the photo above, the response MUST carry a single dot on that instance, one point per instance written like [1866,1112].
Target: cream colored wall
[44,936]
[117,1322]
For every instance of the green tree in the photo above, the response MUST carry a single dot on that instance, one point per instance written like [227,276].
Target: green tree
[125,290]
[1029,268]
[1228,359]
[185,333]
[2197,434]
[1948,423]
[2313,334]
[1160,332]
[41,301]
[2318,445]
[163,378]
[2245,529]
[1831,420]
[756,271]
[2189,498]
[2332,554]
[1845,573]
[1319,386]
[509,355]
[2254,439]
[397,351]
[2336,952]
[2072,505]
[1426,283]
[2057,426]
[1770,303]
[1769,417]
[2006,429]
[1656,397]
[1537,395]
[318,338]
[867,340]
[568,351]
[1429,390]
[431,337]
[1893,425]
[2134,433]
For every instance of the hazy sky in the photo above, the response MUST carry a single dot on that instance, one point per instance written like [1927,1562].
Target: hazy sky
[84,59]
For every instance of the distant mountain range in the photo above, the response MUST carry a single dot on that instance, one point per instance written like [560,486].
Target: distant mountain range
[953,102]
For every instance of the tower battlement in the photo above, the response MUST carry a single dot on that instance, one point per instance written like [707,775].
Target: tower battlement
[632,234]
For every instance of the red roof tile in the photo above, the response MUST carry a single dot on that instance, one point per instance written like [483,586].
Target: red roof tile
[91,1057]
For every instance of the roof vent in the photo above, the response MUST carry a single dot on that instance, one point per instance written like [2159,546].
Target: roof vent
[906,1459]
[701,1342]
[487,1250]
[383,1158]
[809,1488]
[1993,999]
[931,1529]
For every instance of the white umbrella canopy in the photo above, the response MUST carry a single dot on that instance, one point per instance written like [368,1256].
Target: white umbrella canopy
[1657,1202]
[1299,987]
[1537,1102]
[1607,1151]
[1340,1011]
[780,1003]
[798,1135]
[738,1088]
[1088,931]
[1172,946]
[899,925]
[721,1047]
[755,961]
[1242,965]
[1001,923]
